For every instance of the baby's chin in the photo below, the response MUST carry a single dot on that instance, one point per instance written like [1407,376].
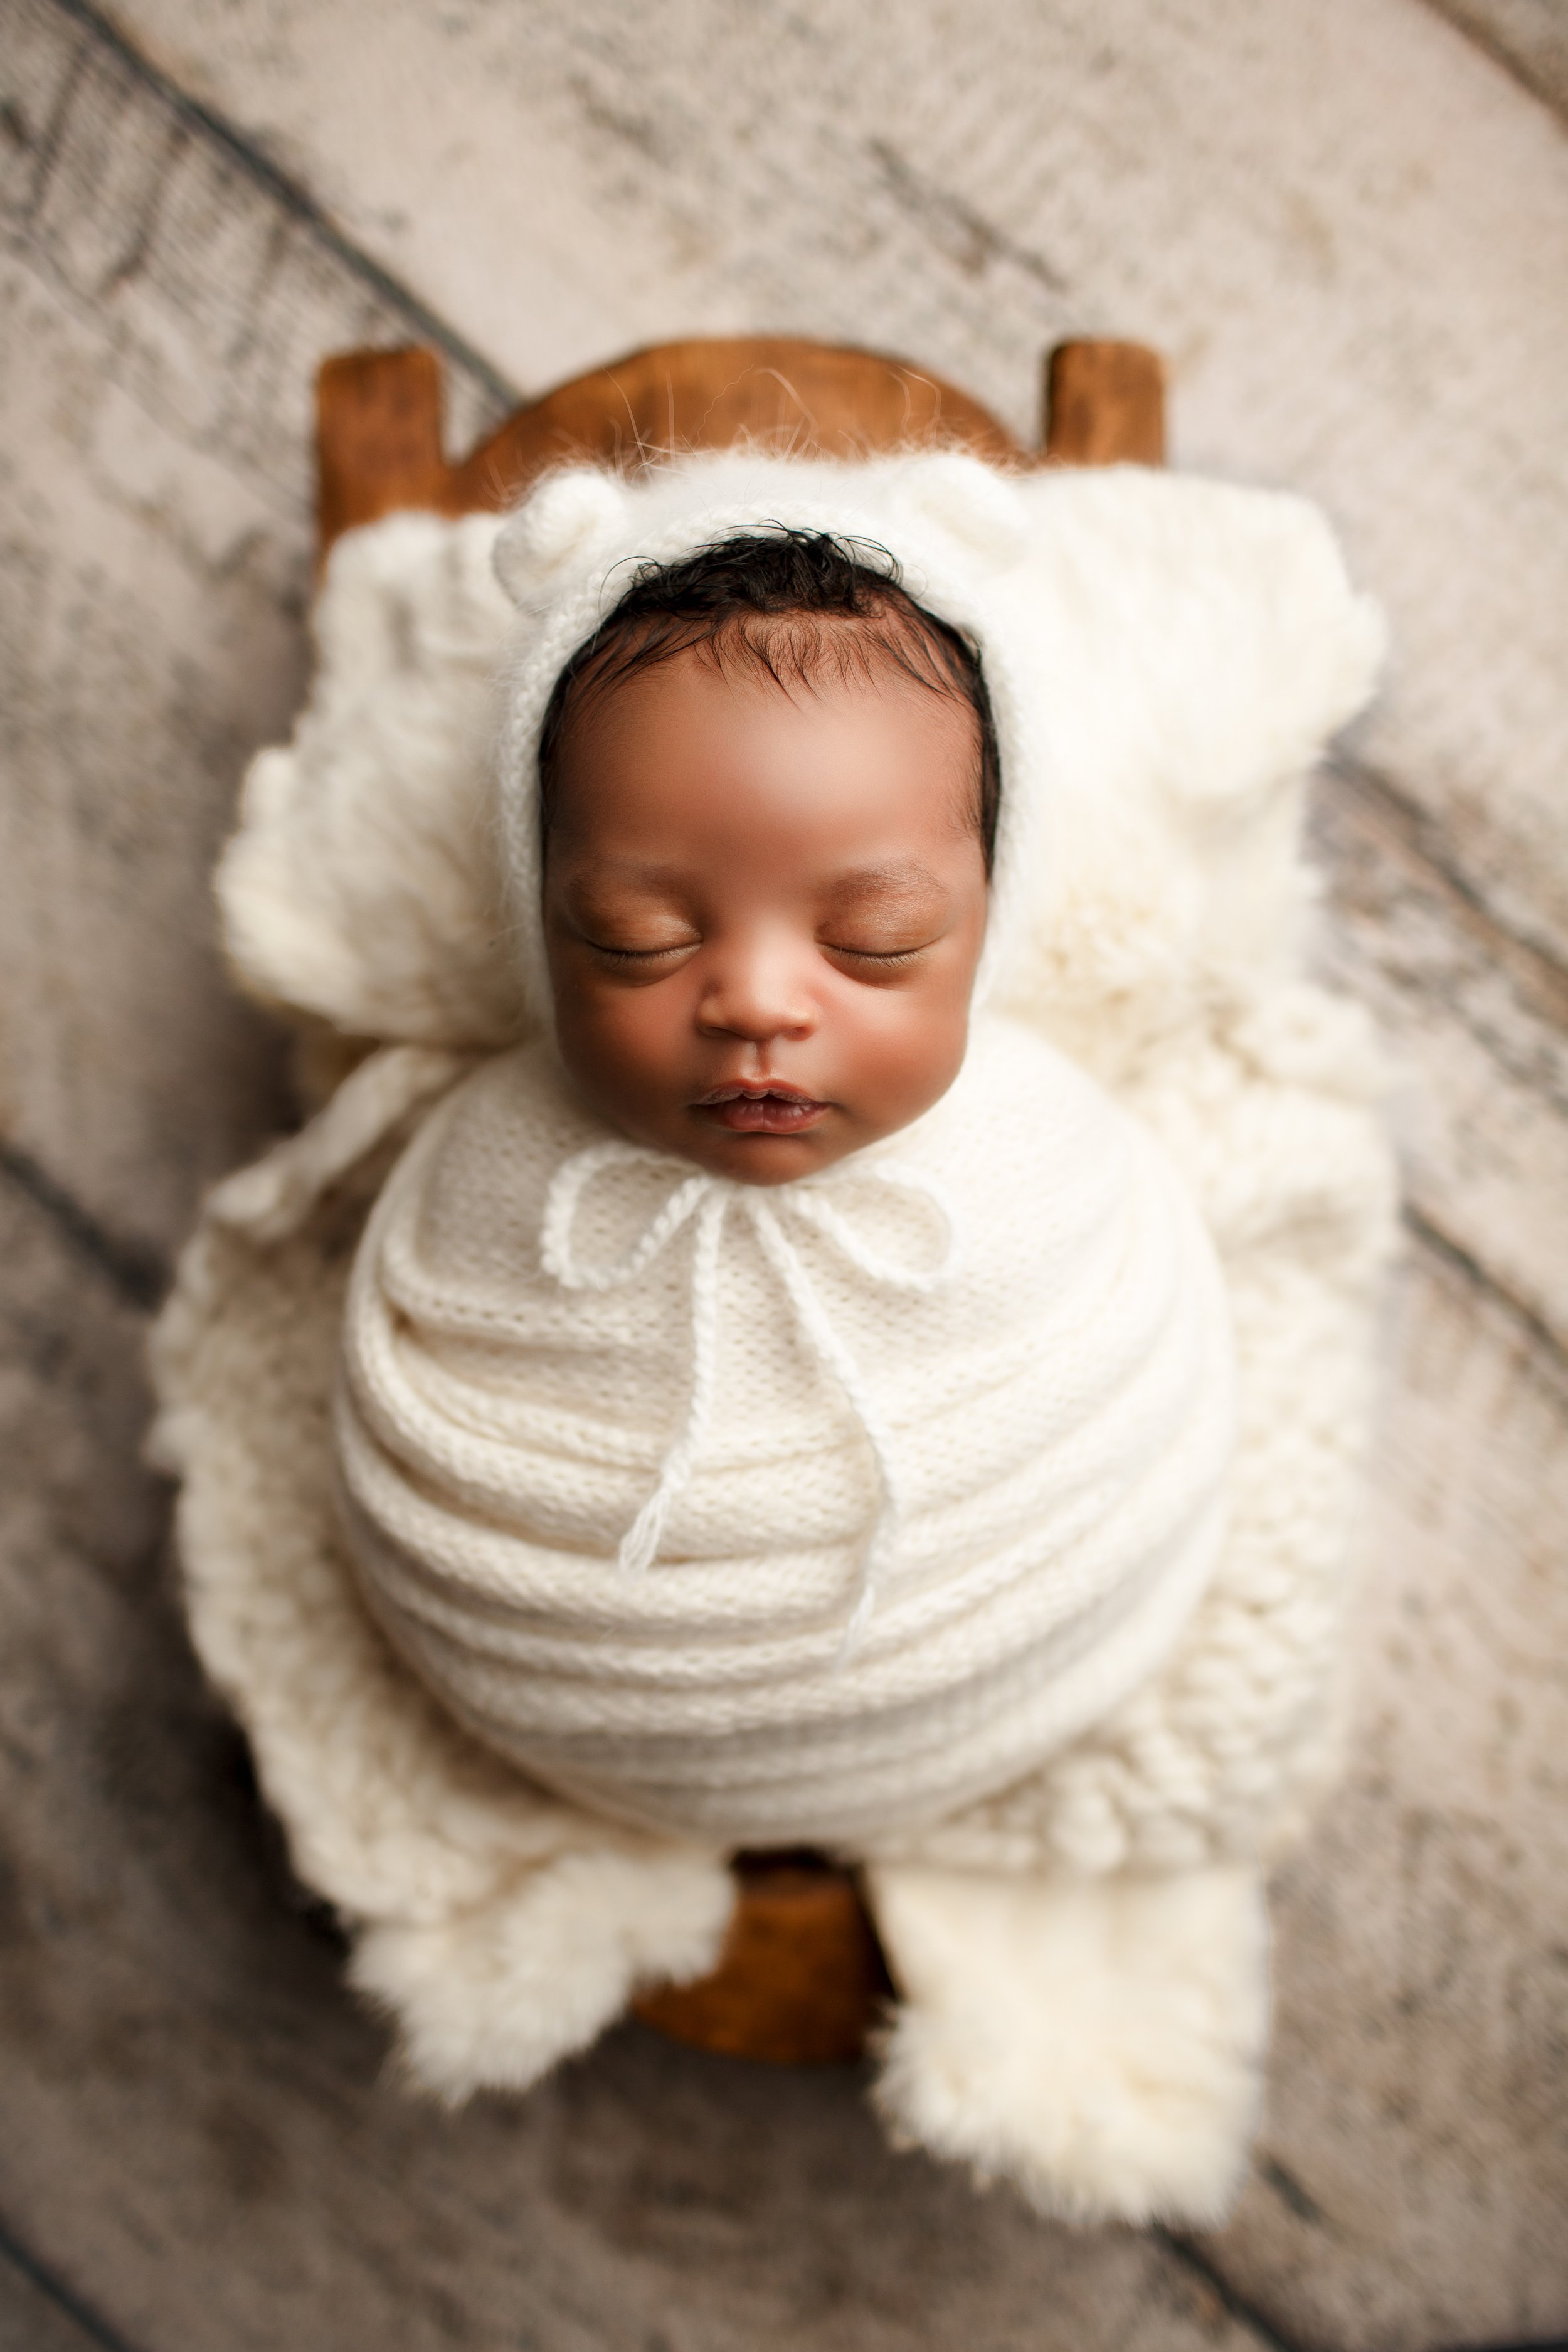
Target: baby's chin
[767,1142]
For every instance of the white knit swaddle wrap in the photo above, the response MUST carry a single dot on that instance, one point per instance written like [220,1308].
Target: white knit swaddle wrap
[806,1514]
[969,1394]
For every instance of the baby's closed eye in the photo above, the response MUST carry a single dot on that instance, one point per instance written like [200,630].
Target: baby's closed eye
[886,917]
[630,927]
[643,952]
[854,952]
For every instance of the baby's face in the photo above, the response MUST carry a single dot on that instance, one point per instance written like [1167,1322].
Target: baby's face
[764,912]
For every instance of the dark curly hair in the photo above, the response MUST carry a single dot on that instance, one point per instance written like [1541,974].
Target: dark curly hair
[761,601]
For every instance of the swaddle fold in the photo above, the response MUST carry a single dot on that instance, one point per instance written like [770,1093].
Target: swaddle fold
[789,1514]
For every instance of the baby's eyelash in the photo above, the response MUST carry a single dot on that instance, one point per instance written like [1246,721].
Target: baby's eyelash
[877,955]
[640,955]
[885,958]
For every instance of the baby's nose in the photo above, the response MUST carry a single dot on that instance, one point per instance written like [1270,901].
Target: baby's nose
[757,996]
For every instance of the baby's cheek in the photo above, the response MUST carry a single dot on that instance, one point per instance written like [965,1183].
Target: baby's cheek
[910,1055]
[636,1036]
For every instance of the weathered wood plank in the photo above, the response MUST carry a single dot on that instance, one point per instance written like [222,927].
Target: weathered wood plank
[1530,37]
[1476,1026]
[228,369]
[1347,228]
[193,2130]
[378,417]
[164,317]
[1105,403]
[34,2320]
[196,2133]
[1414,2172]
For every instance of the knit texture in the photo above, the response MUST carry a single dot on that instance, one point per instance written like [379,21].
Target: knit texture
[956,1483]
[1166,658]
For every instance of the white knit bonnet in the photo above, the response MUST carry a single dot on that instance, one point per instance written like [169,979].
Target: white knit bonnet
[953,527]
[1165,657]
[967,542]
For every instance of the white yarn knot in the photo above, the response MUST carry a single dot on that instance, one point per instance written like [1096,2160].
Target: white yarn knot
[705,1201]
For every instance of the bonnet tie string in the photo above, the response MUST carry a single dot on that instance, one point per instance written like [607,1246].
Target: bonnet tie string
[705,1201]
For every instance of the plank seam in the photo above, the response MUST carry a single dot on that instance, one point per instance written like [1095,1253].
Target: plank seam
[195,116]
[1203,2266]
[135,1271]
[1518,72]
[1418,829]
[54,130]
[1423,835]
[1453,1254]
[925,200]
[57,2293]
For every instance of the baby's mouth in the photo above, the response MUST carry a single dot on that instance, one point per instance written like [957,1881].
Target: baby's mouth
[771,1109]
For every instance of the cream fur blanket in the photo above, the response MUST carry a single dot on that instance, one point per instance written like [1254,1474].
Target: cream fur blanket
[1079,1949]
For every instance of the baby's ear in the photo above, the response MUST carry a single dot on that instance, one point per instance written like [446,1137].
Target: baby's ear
[975,508]
[558,524]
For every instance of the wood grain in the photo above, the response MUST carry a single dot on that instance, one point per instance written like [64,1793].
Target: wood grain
[780,390]
[199,2135]
[379,419]
[801,1977]
[1348,234]
[1346,228]
[198,2139]
[1105,405]
[1475,1025]
[32,2319]
[1412,2176]
[1528,39]
[379,440]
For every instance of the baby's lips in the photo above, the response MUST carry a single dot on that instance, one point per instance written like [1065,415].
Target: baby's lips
[771,1113]
[756,1090]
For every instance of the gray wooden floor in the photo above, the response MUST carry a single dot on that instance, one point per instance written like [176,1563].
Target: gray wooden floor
[1347,224]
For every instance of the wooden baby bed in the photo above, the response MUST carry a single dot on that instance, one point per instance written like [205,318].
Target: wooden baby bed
[801,1977]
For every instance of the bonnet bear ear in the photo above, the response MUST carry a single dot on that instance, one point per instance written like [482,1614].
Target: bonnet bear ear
[563,519]
[975,507]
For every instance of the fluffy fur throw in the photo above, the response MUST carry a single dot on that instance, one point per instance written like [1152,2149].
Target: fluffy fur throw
[1076,1927]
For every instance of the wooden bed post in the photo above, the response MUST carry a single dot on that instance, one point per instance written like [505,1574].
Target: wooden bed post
[378,438]
[1105,405]
[378,417]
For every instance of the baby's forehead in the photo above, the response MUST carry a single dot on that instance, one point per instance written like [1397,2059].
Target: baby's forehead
[785,623]
[790,652]
[694,740]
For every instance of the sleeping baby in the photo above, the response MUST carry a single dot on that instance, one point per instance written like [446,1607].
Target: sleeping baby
[837,1313]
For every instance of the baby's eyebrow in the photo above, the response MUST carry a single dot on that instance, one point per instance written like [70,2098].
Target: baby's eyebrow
[896,878]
